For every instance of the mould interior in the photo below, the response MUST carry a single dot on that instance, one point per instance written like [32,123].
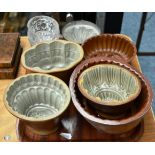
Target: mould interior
[55,55]
[37,96]
[109,83]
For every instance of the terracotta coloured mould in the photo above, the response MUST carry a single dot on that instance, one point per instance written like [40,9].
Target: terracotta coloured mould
[116,126]
[39,100]
[58,58]
[110,45]
[107,86]
[125,36]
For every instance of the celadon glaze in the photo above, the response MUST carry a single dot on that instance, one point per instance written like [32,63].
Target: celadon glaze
[37,96]
[109,84]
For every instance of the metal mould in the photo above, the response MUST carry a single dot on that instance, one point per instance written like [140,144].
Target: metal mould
[79,31]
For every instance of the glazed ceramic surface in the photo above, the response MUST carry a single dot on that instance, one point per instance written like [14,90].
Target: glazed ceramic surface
[110,45]
[123,35]
[109,84]
[50,57]
[37,97]
[42,28]
[79,31]
[141,106]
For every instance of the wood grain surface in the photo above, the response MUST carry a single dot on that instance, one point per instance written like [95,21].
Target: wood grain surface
[8,122]
[8,48]
[11,72]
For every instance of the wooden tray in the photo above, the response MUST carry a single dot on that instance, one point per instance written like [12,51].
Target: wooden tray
[80,131]
[83,131]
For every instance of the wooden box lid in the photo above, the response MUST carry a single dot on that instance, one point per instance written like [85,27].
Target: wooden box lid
[8,48]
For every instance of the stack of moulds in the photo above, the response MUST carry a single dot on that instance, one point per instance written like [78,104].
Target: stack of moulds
[10,52]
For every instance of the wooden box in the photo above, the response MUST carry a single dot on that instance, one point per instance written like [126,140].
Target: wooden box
[10,52]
